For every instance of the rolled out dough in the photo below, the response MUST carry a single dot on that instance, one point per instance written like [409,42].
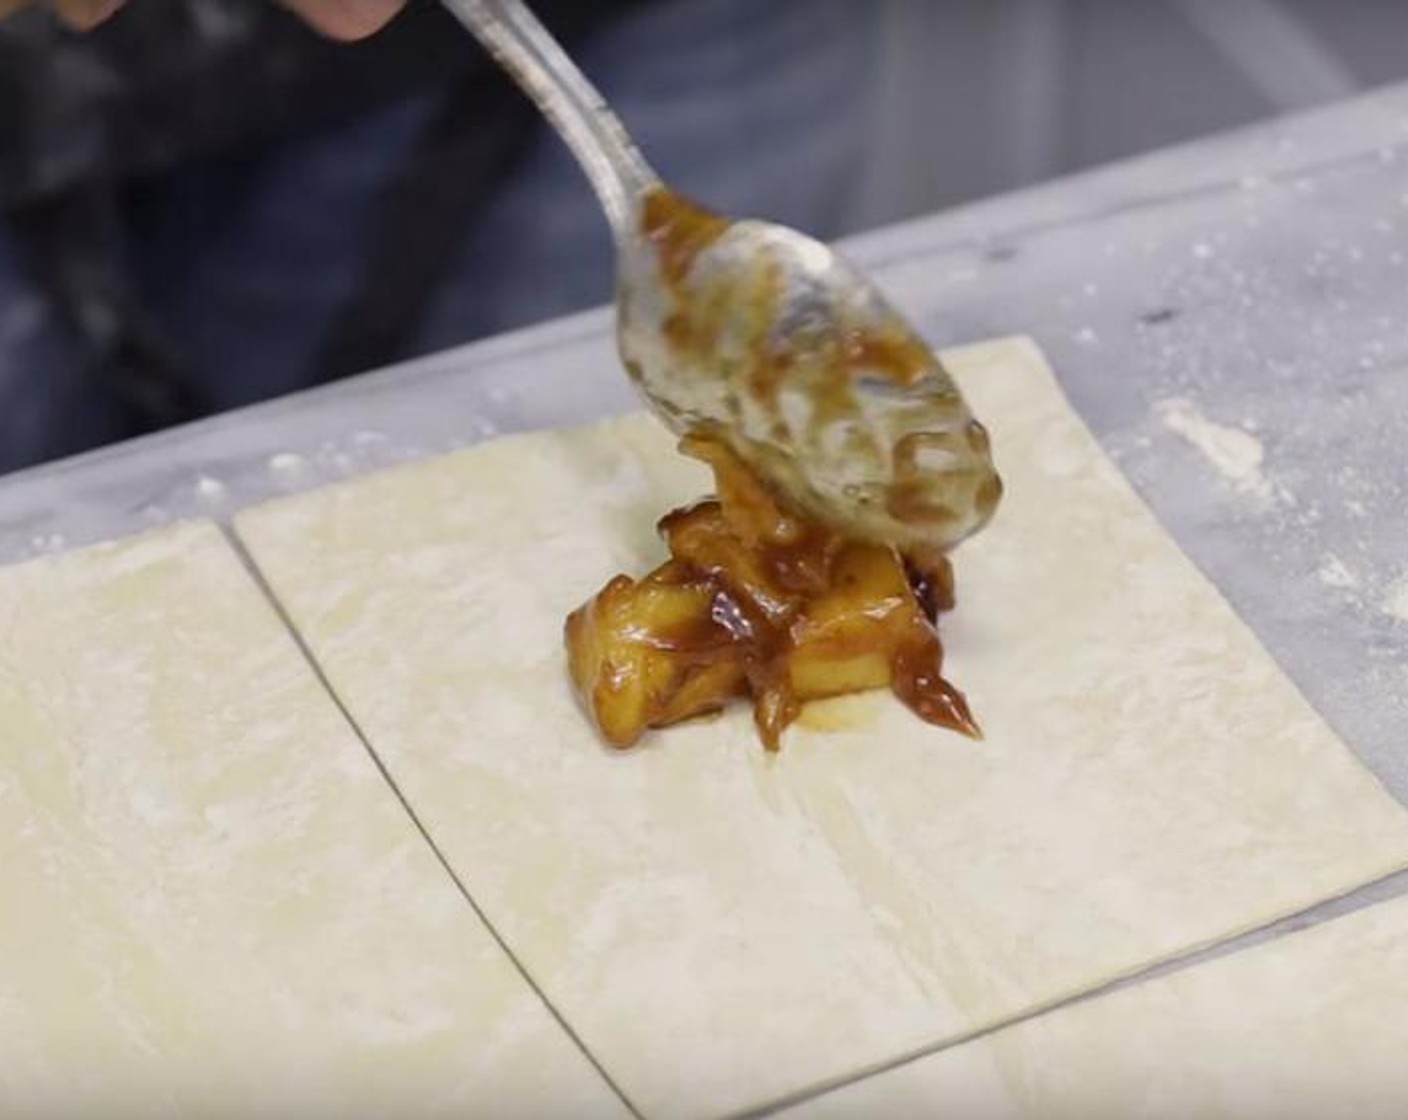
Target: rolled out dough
[723,926]
[1305,1027]
[213,903]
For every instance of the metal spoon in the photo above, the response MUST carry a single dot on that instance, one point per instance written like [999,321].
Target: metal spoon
[761,336]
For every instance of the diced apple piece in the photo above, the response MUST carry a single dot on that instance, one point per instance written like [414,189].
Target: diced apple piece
[754,601]
[700,536]
[817,673]
[846,639]
[702,688]
[646,653]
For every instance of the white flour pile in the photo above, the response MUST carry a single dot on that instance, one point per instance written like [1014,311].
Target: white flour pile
[1234,453]
[1395,602]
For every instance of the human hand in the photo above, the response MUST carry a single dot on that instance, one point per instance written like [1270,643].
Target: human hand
[346,19]
[337,19]
[81,15]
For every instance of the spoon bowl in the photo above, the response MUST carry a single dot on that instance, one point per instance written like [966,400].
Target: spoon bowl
[762,337]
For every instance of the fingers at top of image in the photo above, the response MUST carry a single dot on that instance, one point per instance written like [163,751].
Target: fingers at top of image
[346,19]
[84,15]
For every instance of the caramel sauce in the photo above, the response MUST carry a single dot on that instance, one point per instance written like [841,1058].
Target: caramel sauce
[679,229]
[758,601]
[920,683]
[744,304]
[769,369]
[723,325]
[932,580]
[899,358]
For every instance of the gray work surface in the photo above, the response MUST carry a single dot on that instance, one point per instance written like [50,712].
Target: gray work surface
[1229,317]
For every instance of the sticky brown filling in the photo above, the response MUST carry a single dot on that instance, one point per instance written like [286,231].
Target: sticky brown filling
[756,602]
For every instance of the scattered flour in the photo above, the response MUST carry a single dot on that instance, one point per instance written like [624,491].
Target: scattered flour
[1395,601]
[1234,453]
[1333,573]
[47,542]
[286,465]
[209,489]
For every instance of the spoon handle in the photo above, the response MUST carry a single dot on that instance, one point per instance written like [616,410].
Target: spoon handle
[535,60]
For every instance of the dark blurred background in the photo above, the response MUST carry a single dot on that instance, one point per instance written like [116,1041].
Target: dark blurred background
[203,205]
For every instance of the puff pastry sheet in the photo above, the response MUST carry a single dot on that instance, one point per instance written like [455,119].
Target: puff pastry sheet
[724,927]
[213,904]
[1308,1026]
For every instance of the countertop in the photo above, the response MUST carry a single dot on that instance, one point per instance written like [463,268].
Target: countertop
[1229,316]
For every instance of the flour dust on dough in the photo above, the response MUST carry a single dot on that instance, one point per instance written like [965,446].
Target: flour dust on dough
[723,927]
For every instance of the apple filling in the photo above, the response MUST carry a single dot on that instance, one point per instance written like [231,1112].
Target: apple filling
[755,602]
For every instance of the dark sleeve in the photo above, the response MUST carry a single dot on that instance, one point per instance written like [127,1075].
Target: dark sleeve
[171,81]
[167,82]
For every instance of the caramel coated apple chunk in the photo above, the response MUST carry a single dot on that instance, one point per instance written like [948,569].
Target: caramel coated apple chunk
[648,653]
[756,602]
